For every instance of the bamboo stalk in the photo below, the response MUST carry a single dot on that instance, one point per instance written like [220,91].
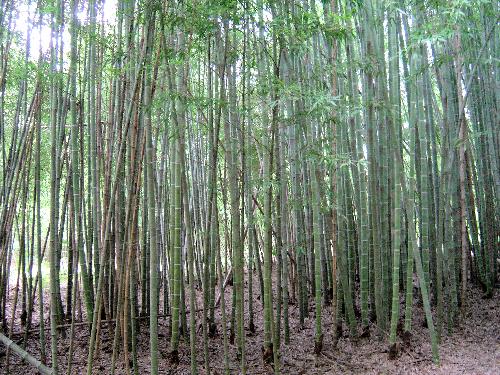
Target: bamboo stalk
[25,356]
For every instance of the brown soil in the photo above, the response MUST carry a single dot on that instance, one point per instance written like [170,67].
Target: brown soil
[472,348]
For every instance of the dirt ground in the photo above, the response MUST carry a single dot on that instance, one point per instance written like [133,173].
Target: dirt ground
[472,348]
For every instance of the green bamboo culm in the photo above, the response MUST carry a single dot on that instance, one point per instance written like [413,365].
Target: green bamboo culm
[150,171]
[397,177]
[54,193]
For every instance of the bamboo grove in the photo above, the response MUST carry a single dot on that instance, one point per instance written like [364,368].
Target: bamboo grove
[336,158]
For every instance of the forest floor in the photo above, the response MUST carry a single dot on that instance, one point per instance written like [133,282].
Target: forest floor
[472,348]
